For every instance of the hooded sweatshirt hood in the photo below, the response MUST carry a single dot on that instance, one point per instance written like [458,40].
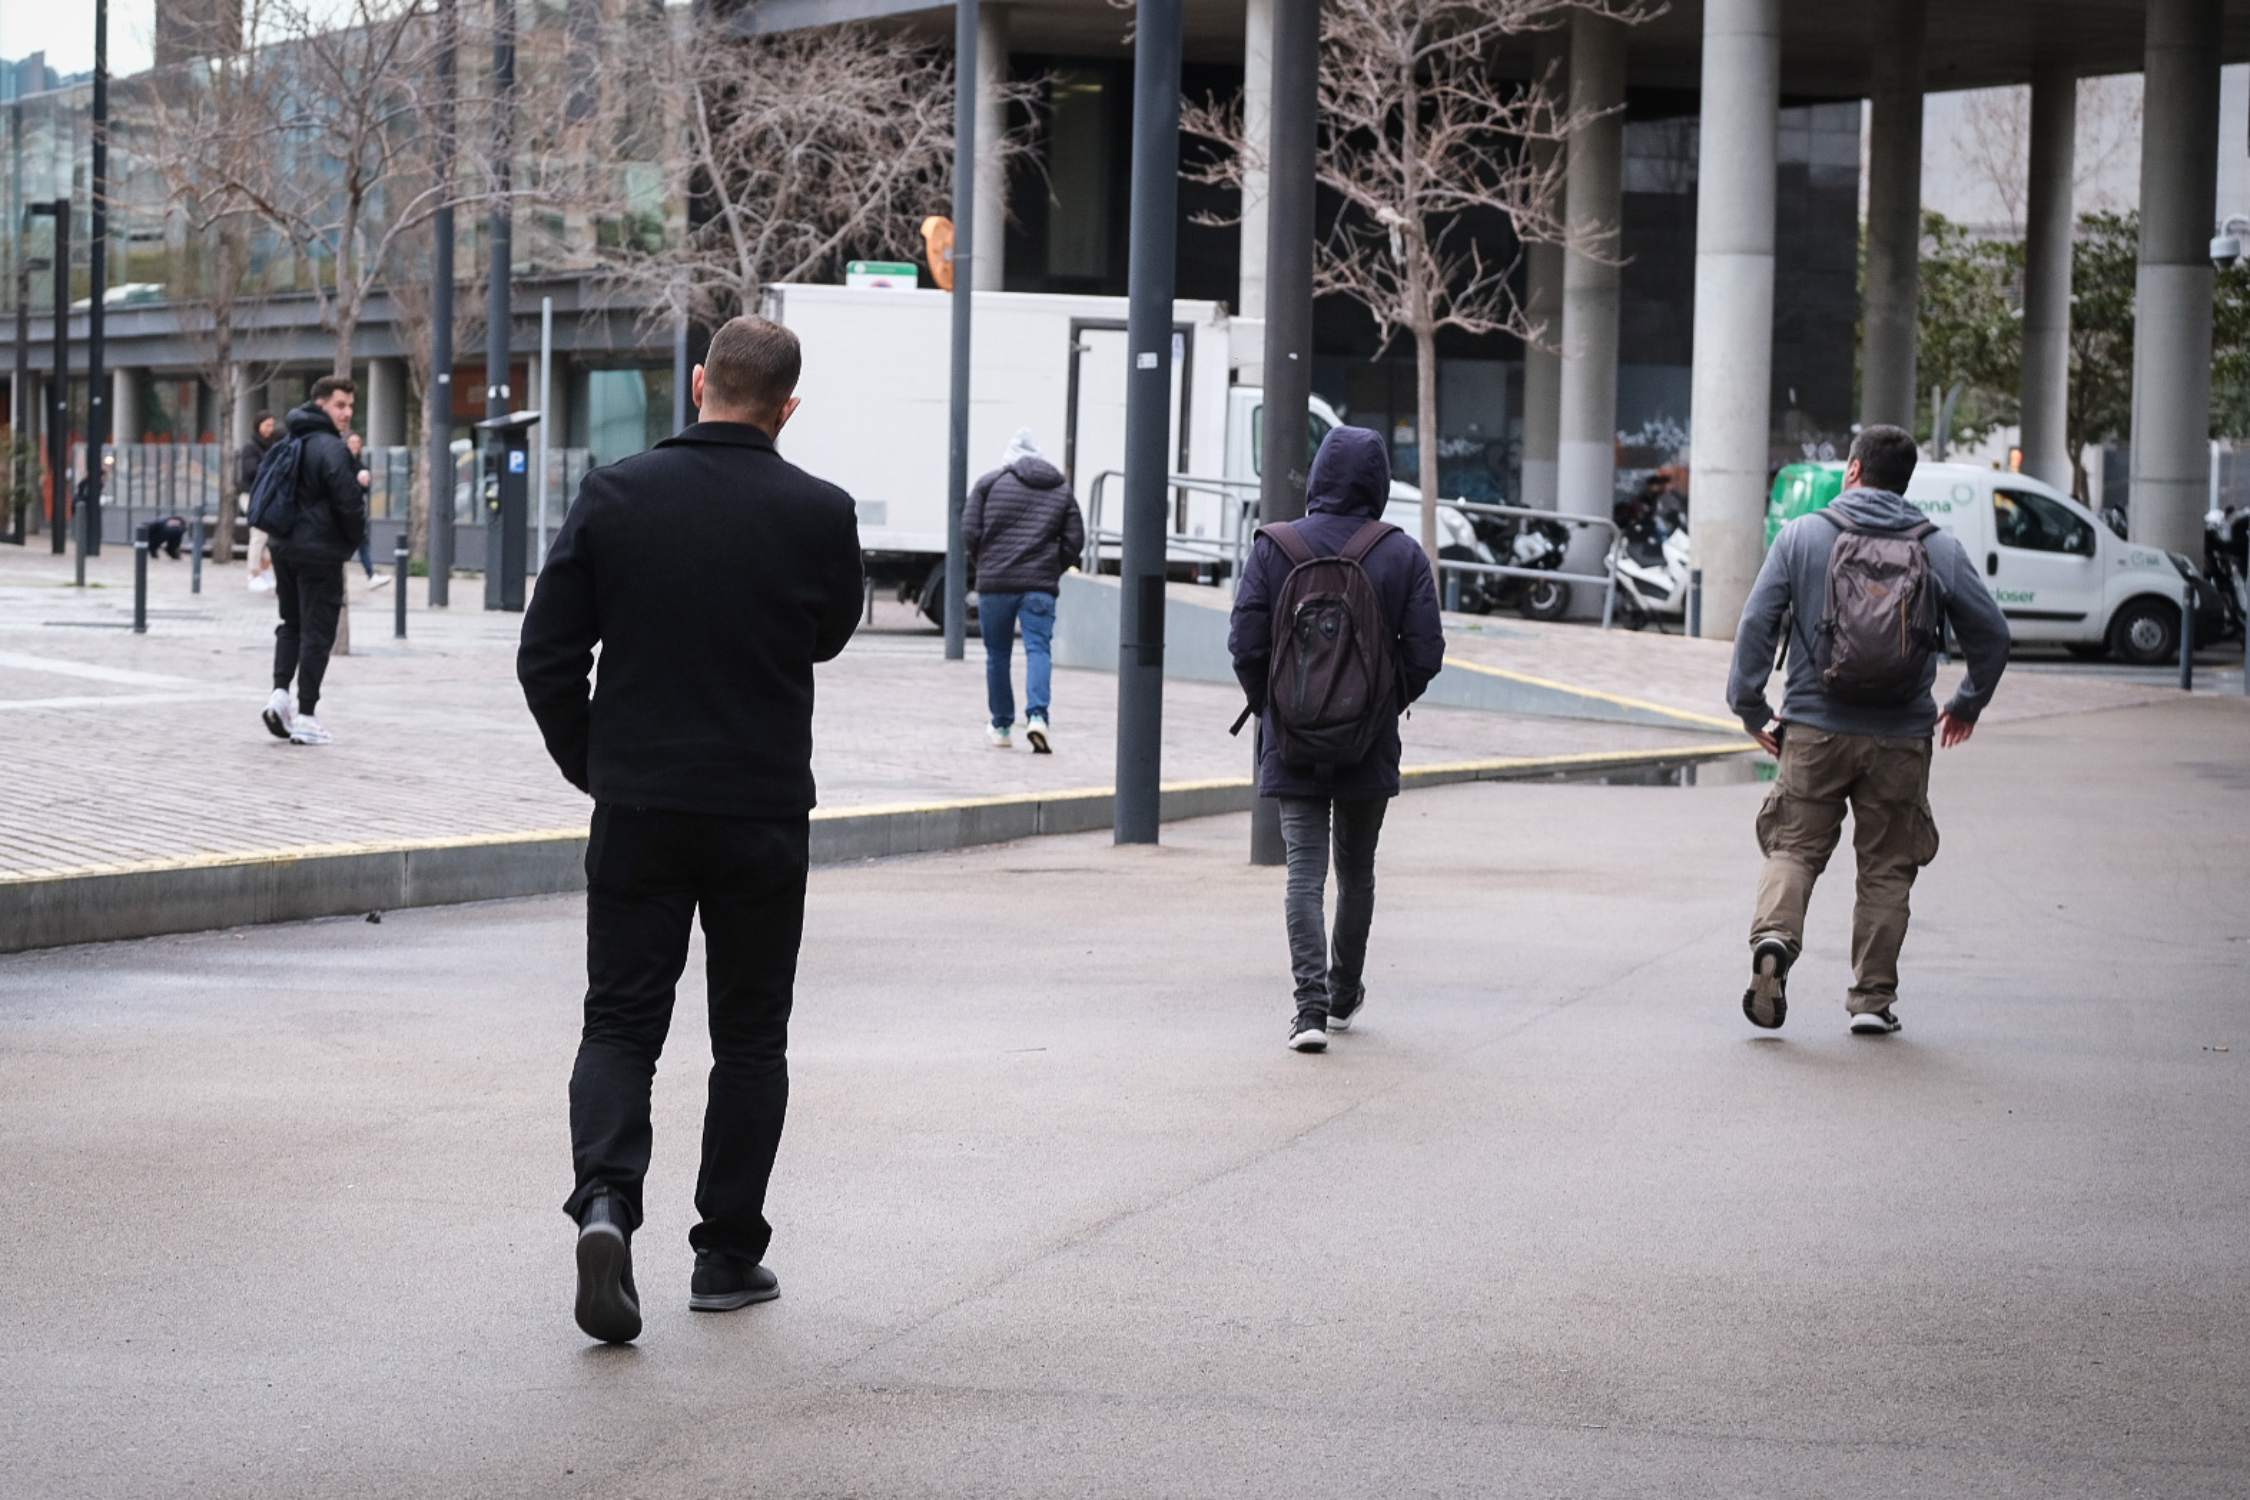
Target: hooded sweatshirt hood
[1037,472]
[1351,475]
[1877,510]
[307,420]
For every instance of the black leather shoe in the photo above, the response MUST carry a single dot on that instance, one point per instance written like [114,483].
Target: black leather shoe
[725,1282]
[609,1308]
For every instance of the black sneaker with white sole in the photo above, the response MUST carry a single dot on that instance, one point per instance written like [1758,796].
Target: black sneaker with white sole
[1766,1002]
[609,1308]
[724,1282]
[1340,1017]
[1308,1034]
[1874,1022]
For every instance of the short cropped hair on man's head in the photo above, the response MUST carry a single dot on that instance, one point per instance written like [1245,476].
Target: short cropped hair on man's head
[1886,457]
[329,385]
[752,367]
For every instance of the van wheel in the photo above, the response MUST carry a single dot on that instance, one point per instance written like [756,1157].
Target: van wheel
[933,598]
[2146,632]
[1546,599]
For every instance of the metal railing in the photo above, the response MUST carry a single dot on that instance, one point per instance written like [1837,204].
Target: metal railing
[1606,581]
[1230,547]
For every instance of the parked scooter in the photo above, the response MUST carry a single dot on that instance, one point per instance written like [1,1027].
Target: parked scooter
[1651,561]
[1525,543]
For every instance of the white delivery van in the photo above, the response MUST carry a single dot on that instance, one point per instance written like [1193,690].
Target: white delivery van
[2060,575]
[876,412]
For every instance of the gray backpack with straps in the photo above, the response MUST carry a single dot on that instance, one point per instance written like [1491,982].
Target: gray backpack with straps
[1884,618]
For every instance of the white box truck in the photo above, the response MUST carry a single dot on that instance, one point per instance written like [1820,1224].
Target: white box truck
[876,408]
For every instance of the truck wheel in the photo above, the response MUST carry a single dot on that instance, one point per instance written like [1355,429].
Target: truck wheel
[933,596]
[1546,599]
[2146,632]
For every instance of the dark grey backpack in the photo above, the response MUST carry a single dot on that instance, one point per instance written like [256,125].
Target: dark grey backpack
[1332,681]
[1884,620]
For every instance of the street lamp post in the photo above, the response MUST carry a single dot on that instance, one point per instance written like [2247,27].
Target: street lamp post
[58,395]
[438,441]
[1148,420]
[964,274]
[97,264]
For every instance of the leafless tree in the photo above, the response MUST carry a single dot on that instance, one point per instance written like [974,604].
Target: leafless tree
[1422,137]
[1995,144]
[791,153]
[321,144]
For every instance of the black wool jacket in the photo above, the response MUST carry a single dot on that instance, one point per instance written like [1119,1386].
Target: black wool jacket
[713,574]
[331,507]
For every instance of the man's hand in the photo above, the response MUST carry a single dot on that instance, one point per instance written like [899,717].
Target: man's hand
[1769,738]
[1952,731]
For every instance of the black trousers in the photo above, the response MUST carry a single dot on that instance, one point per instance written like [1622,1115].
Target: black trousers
[648,873]
[311,596]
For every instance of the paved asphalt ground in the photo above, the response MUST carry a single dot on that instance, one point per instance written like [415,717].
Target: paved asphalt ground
[1059,1216]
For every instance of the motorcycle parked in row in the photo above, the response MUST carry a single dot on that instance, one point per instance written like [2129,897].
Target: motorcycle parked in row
[1651,561]
[2226,563]
[1522,542]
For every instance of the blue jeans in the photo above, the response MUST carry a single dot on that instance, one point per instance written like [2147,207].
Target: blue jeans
[997,616]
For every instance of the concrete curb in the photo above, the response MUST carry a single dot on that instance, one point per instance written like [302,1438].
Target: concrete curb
[111,902]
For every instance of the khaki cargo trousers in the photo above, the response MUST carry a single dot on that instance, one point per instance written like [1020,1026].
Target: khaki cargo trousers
[1886,785]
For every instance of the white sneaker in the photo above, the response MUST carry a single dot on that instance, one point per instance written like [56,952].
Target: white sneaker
[1001,738]
[1036,732]
[379,581]
[261,583]
[280,714]
[307,731]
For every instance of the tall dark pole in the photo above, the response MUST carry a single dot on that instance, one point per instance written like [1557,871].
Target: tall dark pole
[439,439]
[964,277]
[1148,419]
[1289,300]
[497,329]
[58,390]
[97,261]
[20,420]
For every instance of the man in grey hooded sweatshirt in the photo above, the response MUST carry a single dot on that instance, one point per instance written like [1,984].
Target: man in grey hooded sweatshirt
[1875,758]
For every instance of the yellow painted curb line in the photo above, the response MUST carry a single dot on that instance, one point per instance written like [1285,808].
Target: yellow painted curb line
[1449,771]
[1683,715]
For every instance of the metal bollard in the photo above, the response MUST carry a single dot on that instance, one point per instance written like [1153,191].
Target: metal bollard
[2187,642]
[1695,603]
[1453,590]
[870,584]
[140,579]
[195,565]
[398,593]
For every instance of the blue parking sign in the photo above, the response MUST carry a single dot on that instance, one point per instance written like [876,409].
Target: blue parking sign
[517,461]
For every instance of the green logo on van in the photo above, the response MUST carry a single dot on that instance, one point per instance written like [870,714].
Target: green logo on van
[2014,596]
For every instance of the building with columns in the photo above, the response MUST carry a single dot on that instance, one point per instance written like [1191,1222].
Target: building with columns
[1728,331]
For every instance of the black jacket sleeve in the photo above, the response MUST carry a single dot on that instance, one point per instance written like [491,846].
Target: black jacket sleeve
[1250,629]
[1421,629]
[844,588]
[555,660]
[339,482]
[972,513]
[1073,533]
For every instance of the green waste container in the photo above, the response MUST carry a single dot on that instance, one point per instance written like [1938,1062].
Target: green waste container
[1799,490]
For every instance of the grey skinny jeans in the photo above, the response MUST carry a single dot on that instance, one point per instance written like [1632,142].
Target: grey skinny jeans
[1305,830]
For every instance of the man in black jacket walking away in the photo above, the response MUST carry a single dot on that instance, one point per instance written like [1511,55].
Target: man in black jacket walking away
[308,563]
[713,574]
[1023,530]
[1345,495]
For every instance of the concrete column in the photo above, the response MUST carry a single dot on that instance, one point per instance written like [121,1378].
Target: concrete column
[1894,213]
[1734,260]
[1543,275]
[125,405]
[1586,450]
[1257,125]
[383,404]
[2046,275]
[2172,330]
[988,266]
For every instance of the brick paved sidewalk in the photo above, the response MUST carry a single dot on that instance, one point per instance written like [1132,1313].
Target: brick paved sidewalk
[134,748]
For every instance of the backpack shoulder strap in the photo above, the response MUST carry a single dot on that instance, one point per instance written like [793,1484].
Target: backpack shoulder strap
[1364,540]
[1293,546]
[1922,532]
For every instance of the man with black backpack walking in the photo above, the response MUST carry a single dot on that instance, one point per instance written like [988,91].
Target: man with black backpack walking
[1857,596]
[1335,631]
[308,500]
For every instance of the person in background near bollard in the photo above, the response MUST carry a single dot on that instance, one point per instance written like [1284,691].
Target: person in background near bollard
[1855,597]
[167,534]
[1314,594]
[713,575]
[329,521]
[357,446]
[246,464]
[1023,531]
